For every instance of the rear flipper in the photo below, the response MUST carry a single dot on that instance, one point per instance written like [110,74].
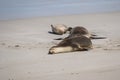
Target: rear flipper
[95,37]
[58,39]
[92,37]
[61,38]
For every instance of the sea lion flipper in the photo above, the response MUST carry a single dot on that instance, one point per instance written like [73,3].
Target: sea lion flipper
[95,37]
[58,39]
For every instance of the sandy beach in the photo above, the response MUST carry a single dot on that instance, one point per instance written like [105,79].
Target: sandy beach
[24,46]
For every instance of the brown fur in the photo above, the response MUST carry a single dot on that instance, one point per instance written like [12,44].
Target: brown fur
[72,44]
[79,31]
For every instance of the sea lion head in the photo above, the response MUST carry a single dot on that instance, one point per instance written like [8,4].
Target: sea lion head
[60,49]
[53,50]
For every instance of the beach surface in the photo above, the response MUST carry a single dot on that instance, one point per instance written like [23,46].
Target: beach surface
[24,46]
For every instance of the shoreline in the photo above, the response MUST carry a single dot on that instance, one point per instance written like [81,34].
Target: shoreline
[62,15]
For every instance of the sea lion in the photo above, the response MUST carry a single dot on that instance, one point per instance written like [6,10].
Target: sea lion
[60,29]
[78,31]
[79,43]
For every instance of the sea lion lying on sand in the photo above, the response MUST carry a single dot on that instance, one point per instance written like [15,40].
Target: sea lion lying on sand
[80,43]
[59,29]
[78,31]
[79,39]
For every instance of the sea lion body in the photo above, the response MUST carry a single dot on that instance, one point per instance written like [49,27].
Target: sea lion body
[79,43]
[79,31]
[59,29]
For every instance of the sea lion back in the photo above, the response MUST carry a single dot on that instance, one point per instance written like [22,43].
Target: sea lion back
[79,31]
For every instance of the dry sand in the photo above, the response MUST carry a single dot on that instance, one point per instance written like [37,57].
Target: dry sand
[24,45]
